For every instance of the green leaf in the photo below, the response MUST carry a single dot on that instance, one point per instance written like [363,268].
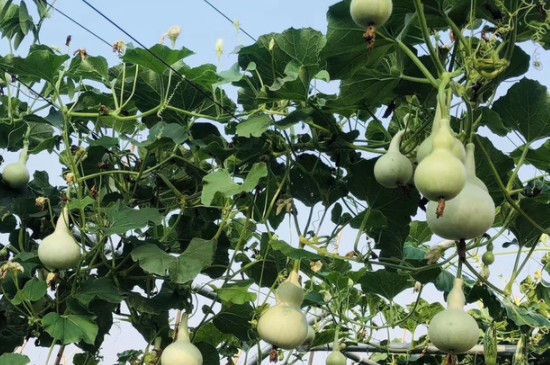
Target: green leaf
[220,182]
[375,87]
[235,320]
[152,259]
[237,293]
[395,207]
[77,204]
[150,58]
[197,256]
[100,289]
[172,131]
[91,68]
[540,157]
[14,359]
[384,283]
[40,64]
[33,290]
[70,328]
[526,109]
[420,232]
[254,127]
[123,219]
[522,316]
[524,231]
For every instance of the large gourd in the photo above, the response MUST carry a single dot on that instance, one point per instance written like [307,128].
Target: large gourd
[181,351]
[453,330]
[59,250]
[393,169]
[468,215]
[284,325]
[367,13]
[441,175]
[16,175]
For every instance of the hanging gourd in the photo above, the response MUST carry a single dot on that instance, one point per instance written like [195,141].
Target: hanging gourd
[370,14]
[393,169]
[453,330]
[16,175]
[60,250]
[181,351]
[284,325]
[470,214]
[441,176]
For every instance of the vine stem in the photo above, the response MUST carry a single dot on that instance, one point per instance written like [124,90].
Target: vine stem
[426,34]
[59,355]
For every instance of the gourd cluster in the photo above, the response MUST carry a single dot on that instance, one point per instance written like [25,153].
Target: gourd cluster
[460,207]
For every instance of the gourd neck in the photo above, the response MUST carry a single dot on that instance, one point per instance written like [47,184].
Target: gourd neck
[396,142]
[456,298]
[470,162]
[183,330]
[63,221]
[437,120]
[24,154]
[443,139]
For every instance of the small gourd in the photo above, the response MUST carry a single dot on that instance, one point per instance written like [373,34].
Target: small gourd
[393,169]
[441,176]
[426,147]
[453,330]
[284,325]
[181,351]
[470,214]
[16,175]
[60,250]
[336,358]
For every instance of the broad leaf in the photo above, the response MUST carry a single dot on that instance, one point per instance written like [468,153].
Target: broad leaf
[385,283]
[70,328]
[101,289]
[14,359]
[151,58]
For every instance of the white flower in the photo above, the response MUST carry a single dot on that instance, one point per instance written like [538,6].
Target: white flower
[219,47]
[173,33]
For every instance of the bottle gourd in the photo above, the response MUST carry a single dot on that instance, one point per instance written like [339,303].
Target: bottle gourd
[441,175]
[393,169]
[16,175]
[284,325]
[181,351]
[453,330]
[470,214]
[59,250]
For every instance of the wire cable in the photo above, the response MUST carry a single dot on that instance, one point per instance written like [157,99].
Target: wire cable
[229,19]
[189,82]
[36,93]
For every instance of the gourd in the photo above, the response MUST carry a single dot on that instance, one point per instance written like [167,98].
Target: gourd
[284,325]
[393,169]
[16,175]
[367,13]
[310,337]
[181,351]
[426,147]
[336,358]
[59,250]
[470,214]
[370,14]
[454,330]
[441,175]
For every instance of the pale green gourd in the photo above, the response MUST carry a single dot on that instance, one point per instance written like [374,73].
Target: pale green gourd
[284,325]
[310,337]
[441,175]
[182,351]
[336,358]
[59,250]
[393,169]
[426,147]
[366,13]
[16,175]
[470,214]
[454,330]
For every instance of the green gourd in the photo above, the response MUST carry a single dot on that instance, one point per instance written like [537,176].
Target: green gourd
[393,169]
[60,250]
[181,351]
[336,358]
[16,175]
[470,214]
[366,13]
[284,325]
[453,330]
[441,175]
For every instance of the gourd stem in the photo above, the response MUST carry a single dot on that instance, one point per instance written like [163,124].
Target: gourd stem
[336,343]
